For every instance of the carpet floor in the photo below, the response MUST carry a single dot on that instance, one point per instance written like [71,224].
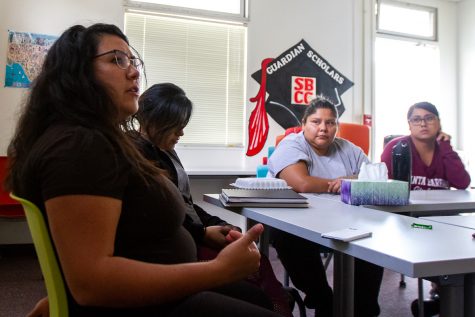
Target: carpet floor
[21,284]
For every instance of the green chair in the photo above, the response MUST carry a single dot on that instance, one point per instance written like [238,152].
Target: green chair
[55,287]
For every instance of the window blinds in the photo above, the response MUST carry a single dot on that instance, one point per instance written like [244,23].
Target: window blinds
[207,60]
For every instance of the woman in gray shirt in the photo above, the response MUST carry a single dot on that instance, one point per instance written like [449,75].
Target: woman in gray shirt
[315,161]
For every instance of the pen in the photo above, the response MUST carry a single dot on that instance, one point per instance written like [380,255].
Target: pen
[421,226]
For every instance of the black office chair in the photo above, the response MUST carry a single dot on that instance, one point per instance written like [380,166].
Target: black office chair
[387,139]
[390,137]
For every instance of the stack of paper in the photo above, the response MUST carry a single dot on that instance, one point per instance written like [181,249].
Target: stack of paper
[260,183]
[235,197]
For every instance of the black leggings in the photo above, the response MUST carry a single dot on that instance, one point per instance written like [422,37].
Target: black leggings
[213,304]
[301,258]
[239,299]
[302,261]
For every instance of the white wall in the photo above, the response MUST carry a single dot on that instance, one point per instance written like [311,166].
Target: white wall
[50,17]
[448,107]
[333,28]
[466,54]
[275,25]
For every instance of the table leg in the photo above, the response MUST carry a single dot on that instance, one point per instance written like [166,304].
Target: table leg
[451,295]
[264,241]
[343,285]
[469,295]
[420,296]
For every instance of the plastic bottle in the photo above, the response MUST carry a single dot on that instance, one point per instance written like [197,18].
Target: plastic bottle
[270,150]
[263,168]
[402,162]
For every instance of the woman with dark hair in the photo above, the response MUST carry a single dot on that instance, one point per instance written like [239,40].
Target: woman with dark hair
[315,161]
[164,111]
[435,165]
[114,218]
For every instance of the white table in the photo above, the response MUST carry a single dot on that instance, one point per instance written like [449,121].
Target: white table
[467,221]
[438,203]
[434,203]
[394,245]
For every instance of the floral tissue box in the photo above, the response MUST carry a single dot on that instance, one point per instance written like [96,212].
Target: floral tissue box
[359,192]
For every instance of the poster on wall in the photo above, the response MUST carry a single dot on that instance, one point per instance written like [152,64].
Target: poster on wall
[25,56]
[287,84]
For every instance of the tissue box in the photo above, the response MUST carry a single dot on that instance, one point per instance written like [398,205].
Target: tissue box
[359,192]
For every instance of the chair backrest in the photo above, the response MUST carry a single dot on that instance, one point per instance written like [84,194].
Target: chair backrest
[55,287]
[8,207]
[288,131]
[389,138]
[296,129]
[358,134]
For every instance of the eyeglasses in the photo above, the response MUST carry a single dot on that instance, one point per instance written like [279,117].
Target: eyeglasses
[123,60]
[428,119]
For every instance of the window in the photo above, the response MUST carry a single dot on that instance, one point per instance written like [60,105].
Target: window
[406,19]
[211,7]
[205,58]
[407,69]
[406,73]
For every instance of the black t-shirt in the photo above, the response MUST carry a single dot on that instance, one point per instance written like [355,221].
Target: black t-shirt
[70,160]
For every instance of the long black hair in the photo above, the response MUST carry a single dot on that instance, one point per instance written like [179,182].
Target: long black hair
[66,90]
[163,108]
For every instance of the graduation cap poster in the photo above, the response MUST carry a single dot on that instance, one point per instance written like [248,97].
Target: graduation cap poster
[290,82]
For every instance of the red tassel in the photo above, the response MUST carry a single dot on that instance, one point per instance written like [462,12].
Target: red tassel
[258,127]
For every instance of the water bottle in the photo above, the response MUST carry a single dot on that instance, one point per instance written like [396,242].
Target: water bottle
[270,150]
[262,169]
[402,162]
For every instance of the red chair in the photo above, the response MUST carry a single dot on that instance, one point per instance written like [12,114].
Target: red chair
[357,134]
[9,208]
[287,132]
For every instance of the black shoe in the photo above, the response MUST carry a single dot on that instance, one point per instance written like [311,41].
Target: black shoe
[296,299]
[431,307]
[319,313]
[289,292]
[324,309]
[310,302]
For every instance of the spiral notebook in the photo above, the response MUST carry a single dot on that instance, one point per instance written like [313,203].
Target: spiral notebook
[262,205]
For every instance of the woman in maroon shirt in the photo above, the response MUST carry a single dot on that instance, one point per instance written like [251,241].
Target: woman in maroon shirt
[435,165]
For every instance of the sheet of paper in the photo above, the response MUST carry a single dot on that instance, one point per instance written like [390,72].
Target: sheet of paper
[347,234]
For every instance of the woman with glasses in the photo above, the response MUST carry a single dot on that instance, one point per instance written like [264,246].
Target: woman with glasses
[435,165]
[115,219]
